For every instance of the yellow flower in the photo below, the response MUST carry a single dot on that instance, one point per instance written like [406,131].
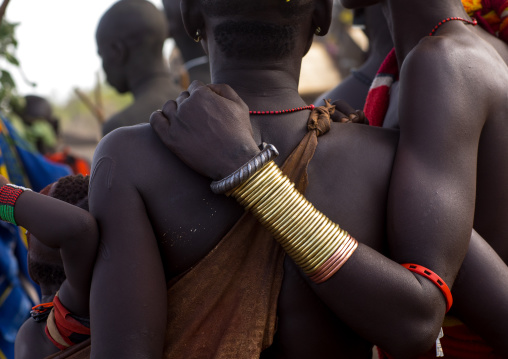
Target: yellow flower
[472,5]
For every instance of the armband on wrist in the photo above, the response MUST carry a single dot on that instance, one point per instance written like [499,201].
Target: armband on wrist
[316,244]
[434,278]
[268,153]
[9,194]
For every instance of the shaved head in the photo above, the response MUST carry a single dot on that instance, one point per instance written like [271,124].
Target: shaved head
[247,33]
[132,21]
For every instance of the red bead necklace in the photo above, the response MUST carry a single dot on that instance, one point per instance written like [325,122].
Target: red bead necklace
[472,22]
[310,107]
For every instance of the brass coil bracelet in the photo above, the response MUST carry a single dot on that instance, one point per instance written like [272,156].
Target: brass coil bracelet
[316,244]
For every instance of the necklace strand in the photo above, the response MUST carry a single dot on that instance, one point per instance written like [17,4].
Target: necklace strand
[310,107]
[472,22]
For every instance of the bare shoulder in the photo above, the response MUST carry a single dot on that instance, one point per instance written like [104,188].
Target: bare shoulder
[32,342]
[134,152]
[458,58]
[358,141]
[356,156]
[125,139]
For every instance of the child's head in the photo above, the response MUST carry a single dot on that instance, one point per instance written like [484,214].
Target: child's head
[44,263]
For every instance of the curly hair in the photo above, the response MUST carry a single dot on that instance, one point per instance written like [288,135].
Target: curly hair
[71,189]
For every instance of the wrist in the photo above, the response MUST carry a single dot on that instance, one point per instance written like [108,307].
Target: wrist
[236,160]
[246,170]
[9,194]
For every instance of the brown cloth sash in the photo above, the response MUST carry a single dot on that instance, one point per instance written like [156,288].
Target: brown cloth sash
[226,305]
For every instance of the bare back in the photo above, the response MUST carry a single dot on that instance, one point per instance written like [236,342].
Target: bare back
[185,220]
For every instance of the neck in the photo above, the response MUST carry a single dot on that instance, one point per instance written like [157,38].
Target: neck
[266,90]
[138,85]
[262,88]
[411,21]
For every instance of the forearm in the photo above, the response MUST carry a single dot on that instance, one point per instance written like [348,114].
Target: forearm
[384,302]
[56,223]
[405,304]
[481,293]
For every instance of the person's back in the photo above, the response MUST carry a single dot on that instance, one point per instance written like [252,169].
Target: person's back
[189,221]
[158,218]
[130,37]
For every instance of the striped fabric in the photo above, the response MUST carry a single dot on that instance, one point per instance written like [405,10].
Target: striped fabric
[378,97]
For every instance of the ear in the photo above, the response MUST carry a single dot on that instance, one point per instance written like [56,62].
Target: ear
[119,52]
[322,15]
[192,17]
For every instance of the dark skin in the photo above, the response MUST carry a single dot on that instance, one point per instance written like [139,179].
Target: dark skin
[482,89]
[130,37]
[163,213]
[56,225]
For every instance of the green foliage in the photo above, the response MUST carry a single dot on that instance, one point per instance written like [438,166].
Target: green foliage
[8,45]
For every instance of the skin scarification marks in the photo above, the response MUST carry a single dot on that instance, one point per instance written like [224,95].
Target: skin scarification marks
[102,171]
[104,164]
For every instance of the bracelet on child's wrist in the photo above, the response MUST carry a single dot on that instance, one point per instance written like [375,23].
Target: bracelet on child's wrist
[9,194]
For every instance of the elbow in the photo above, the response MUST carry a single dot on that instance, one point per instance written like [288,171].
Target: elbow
[416,343]
[86,231]
[418,337]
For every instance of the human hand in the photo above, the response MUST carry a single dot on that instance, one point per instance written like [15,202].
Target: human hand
[346,114]
[208,128]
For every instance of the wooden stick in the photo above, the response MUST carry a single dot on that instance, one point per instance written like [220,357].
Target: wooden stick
[2,9]
[98,94]
[93,109]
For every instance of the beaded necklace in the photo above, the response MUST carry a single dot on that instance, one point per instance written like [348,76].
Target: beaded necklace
[472,22]
[310,107]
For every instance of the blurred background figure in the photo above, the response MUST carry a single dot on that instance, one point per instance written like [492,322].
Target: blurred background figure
[130,38]
[40,125]
[195,61]
[355,86]
[40,128]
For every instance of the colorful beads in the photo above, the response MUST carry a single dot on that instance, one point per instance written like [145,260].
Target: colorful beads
[472,22]
[310,107]
[9,194]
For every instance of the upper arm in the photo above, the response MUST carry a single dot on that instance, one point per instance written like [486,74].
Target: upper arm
[432,191]
[127,303]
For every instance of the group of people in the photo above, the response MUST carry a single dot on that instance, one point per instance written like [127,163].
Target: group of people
[148,258]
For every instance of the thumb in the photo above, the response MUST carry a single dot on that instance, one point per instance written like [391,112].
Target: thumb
[226,91]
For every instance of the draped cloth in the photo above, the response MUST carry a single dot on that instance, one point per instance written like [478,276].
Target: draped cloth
[226,305]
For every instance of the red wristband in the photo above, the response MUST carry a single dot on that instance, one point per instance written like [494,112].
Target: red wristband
[434,278]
